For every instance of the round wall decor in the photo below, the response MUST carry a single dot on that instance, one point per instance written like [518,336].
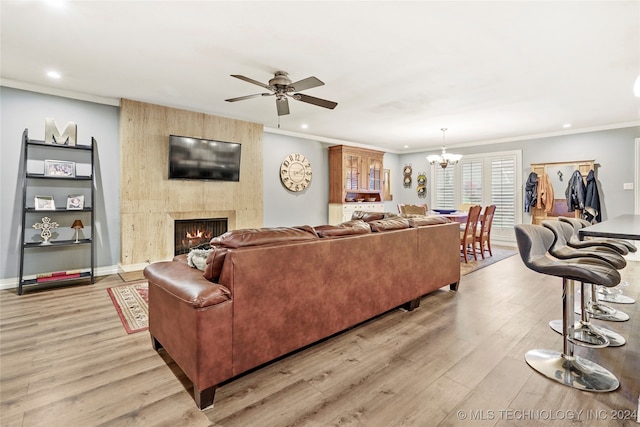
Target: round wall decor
[295,172]
[406,180]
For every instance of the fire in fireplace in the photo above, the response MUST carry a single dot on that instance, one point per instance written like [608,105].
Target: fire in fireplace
[190,233]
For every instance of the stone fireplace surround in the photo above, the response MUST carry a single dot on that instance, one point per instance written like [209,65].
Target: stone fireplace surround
[150,202]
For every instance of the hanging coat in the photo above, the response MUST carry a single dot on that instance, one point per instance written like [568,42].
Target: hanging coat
[592,199]
[531,192]
[575,192]
[545,193]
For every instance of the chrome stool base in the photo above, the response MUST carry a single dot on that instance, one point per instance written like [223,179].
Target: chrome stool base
[615,298]
[591,336]
[575,372]
[603,312]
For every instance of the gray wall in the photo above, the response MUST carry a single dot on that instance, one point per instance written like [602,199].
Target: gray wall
[22,109]
[613,150]
[283,207]
[309,207]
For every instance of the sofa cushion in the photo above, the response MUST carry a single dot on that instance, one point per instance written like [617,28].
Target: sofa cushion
[421,221]
[347,228]
[262,236]
[395,223]
[372,216]
[251,237]
[214,263]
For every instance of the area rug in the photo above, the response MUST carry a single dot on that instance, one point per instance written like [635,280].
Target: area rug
[132,304]
[498,255]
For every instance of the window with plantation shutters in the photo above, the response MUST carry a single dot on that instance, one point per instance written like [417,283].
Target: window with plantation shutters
[483,179]
[503,191]
[471,191]
[445,188]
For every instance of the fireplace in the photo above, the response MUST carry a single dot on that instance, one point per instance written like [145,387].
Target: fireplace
[190,233]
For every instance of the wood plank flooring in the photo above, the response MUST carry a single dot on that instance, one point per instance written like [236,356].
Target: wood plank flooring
[66,360]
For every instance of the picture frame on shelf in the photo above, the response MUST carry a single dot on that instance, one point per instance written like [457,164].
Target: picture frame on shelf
[44,203]
[75,202]
[60,168]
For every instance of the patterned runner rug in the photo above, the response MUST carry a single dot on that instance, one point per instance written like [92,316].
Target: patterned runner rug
[132,304]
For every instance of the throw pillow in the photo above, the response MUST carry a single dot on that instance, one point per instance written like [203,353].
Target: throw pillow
[198,258]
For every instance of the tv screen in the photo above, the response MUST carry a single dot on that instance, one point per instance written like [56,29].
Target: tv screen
[195,158]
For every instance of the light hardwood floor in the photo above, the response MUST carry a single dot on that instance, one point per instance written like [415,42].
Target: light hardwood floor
[457,360]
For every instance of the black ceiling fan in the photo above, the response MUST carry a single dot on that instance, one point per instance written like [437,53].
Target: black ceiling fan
[281,87]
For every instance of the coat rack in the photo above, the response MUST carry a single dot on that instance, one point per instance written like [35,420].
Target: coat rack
[559,174]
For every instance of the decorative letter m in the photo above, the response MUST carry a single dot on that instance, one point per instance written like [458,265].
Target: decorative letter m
[52,134]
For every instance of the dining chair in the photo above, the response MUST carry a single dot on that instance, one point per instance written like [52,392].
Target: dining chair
[483,235]
[463,207]
[467,235]
[408,209]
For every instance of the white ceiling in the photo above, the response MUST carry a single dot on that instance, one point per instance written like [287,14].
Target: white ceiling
[399,71]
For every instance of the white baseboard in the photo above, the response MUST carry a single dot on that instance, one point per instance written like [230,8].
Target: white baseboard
[12,282]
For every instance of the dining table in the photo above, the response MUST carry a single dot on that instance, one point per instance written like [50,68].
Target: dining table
[620,227]
[457,216]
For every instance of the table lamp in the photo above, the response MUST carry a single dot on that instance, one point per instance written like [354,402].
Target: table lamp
[77,225]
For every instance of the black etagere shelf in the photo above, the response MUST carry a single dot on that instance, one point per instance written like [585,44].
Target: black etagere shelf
[36,249]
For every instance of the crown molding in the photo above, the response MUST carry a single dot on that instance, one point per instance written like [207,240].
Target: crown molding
[15,84]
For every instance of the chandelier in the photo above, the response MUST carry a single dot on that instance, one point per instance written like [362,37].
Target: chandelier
[445,159]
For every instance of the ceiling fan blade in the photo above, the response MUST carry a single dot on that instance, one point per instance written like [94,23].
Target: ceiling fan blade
[241,98]
[247,79]
[315,101]
[307,83]
[283,106]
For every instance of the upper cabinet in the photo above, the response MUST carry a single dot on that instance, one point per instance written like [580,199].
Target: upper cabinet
[355,174]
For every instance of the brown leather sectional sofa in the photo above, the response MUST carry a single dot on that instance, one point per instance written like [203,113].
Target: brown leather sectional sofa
[267,292]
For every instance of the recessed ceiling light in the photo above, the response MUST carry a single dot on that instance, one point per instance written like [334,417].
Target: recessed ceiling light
[406,146]
[566,125]
[54,74]
[304,126]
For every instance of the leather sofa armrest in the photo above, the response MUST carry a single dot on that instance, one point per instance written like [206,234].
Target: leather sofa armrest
[186,283]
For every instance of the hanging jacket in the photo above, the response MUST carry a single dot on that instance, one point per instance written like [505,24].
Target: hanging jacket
[545,193]
[575,192]
[592,199]
[531,192]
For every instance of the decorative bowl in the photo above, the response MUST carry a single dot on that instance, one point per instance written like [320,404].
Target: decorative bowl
[445,211]
[350,199]
[359,200]
[372,199]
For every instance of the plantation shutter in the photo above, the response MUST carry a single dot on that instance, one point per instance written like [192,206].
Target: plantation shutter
[445,187]
[471,191]
[503,190]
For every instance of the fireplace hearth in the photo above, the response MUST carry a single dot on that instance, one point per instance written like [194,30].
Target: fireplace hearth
[190,233]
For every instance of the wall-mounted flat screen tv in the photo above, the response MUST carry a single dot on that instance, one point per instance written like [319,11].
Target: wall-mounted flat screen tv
[204,159]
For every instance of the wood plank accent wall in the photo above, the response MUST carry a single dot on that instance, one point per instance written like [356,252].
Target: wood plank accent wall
[149,201]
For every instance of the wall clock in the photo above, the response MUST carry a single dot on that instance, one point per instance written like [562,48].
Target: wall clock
[295,172]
